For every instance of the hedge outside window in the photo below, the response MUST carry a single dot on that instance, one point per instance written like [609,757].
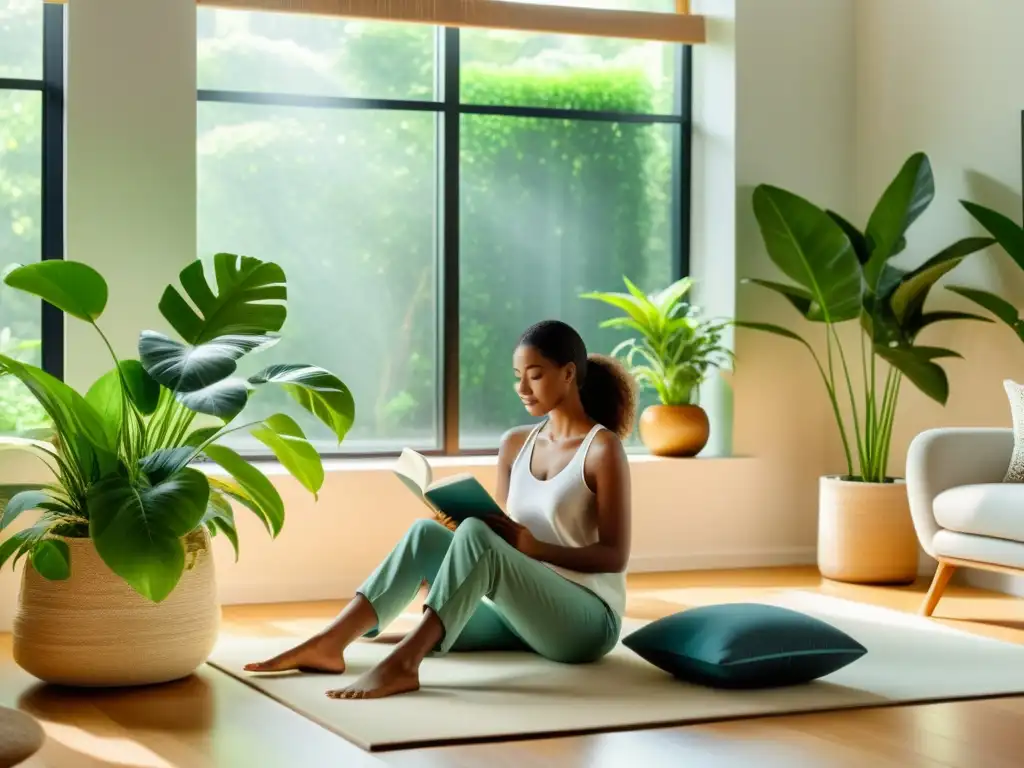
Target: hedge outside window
[322,147]
[31,55]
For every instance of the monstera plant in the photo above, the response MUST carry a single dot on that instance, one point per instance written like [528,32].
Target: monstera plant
[841,274]
[122,453]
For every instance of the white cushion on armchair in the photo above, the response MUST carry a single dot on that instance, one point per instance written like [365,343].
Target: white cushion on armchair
[986,509]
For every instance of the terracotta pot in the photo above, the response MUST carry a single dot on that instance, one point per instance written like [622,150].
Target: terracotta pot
[92,629]
[674,430]
[865,532]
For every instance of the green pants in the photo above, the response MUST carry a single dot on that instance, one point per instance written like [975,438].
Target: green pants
[489,596]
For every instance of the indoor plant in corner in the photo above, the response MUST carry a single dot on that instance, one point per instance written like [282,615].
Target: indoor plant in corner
[841,275]
[673,354]
[118,587]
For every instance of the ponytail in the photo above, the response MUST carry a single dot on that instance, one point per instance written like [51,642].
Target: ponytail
[609,394]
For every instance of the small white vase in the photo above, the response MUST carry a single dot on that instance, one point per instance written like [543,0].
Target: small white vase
[865,532]
[93,630]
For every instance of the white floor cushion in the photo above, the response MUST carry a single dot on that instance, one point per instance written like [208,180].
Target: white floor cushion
[990,509]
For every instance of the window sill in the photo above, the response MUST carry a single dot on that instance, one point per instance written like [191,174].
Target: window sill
[385,464]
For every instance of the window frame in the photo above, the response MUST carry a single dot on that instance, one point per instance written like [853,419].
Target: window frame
[448,108]
[51,86]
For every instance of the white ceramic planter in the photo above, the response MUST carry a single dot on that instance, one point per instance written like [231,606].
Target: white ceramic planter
[865,532]
[92,629]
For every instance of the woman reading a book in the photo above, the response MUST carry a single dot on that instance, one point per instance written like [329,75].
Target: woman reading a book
[548,576]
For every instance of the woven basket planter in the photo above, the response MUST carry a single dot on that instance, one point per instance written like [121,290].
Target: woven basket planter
[93,630]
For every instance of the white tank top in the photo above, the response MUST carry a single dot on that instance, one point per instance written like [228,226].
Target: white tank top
[562,510]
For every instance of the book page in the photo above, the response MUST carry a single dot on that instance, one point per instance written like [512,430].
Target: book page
[412,467]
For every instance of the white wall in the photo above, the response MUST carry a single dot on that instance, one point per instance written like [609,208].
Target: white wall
[943,77]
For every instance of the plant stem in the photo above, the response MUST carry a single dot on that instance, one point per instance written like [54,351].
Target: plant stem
[853,400]
[871,417]
[835,409]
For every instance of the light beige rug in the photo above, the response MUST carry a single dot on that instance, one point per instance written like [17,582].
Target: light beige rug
[496,696]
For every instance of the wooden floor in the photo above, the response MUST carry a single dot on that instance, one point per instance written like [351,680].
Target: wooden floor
[213,721]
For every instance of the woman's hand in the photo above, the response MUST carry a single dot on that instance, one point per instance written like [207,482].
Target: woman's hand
[517,536]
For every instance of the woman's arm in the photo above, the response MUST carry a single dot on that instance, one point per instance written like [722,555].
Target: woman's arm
[607,473]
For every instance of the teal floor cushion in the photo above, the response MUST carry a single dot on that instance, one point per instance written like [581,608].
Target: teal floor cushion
[744,645]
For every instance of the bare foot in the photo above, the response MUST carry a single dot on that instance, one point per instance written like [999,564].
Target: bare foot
[314,655]
[386,679]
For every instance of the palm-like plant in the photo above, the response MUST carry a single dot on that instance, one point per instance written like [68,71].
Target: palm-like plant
[122,452]
[1010,236]
[843,274]
[675,349]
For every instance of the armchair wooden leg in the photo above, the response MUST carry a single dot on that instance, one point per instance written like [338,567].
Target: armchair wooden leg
[939,582]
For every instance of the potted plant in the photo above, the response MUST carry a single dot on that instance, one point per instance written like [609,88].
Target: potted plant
[119,588]
[672,355]
[840,275]
[1010,237]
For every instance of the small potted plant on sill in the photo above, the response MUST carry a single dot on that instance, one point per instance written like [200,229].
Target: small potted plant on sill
[842,275]
[673,354]
[119,585]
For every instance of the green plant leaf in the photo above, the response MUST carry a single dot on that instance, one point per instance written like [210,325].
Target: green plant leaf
[105,395]
[318,391]
[256,488]
[857,239]
[284,437]
[19,539]
[1007,232]
[776,330]
[52,559]
[82,431]
[925,319]
[221,516]
[225,399]
[916,364]
[165,462]
[138,530]
[232,490]
[185,368]
[70,286]
[798,297]
[23,502]
[668,298]
[904,200]
[244,303]
[909,295]
[811,249]
[997,305]
[626,302]
[199,436]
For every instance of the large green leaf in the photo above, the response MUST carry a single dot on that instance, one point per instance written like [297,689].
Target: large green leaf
[1007,232]
[225,399]
[105,394]
[919,322]
[70,286]
[284,437]
[52,559]
[18,540]
[23,502]
[997,305]
[248,300]
[811,249]
[916,364]
[256,489]
[220,517]
[800,298]
[166,462]
[776,330]
[138,530]
[185,368]
[908,297]
[81,429]
[318,391]
[904,200]
[857,239]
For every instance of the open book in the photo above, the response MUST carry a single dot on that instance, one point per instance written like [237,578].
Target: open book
[458,497]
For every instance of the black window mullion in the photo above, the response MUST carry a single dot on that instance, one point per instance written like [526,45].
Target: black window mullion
[682,162]
[450,246]
[52,215]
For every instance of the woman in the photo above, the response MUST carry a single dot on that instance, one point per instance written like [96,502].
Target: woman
[548,577]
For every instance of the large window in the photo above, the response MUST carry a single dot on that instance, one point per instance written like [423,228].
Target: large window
[31,190]
[430,193]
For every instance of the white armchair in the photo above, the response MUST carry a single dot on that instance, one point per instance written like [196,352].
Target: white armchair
[964,514]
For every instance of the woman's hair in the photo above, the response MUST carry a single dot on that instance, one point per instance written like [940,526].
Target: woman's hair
[607,390]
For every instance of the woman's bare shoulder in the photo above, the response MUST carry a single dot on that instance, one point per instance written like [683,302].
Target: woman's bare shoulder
[513,440]
[606,450]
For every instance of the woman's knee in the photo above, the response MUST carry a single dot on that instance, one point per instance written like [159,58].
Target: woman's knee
[426,532]
[475,530]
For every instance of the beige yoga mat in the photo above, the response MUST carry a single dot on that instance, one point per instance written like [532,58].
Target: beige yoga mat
[496,696]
